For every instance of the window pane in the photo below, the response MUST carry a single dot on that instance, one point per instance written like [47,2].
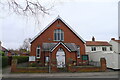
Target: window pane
[58,36]
[61,36]
[38,51]
[110,48]
[94,48]
[55,36]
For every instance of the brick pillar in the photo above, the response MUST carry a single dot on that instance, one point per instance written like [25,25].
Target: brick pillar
[54,66]
[103,64]
[14,65]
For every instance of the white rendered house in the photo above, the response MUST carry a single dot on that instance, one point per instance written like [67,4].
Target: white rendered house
[115,45]
[103,49]
[95,46]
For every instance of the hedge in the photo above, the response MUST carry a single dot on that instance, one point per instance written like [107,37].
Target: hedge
[4,61]
[21,59]
[2,53]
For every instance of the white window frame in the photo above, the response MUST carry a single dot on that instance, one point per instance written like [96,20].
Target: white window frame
[93,48]
[78,52]
[38,54]
[60,32]
[104,48]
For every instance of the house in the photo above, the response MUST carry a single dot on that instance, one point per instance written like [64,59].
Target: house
[95,46]
[58,43]
[115,45]
[103,49]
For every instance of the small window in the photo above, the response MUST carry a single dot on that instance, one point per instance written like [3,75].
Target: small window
[78,52]
[38,52]
[104,49]
[93,48]
[110,48]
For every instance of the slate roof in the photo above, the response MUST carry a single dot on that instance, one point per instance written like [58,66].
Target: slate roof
[50,46]
[97,43]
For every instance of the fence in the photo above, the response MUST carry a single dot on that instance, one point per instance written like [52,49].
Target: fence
[95,63]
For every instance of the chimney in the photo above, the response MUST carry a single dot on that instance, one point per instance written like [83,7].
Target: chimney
[93,39]
[112,38]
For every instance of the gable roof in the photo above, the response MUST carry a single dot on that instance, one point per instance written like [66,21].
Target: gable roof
[97,43]
[52,23]
[51,46]
[58,45]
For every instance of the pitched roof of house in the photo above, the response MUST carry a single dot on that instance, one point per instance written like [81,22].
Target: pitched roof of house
[118,41]
[97,43]
[52,46]
[52,23]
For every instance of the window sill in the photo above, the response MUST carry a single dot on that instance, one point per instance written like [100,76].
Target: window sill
[58,40]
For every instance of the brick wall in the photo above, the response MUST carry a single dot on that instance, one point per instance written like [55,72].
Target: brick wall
[70,68]
[89,69]
[26,69]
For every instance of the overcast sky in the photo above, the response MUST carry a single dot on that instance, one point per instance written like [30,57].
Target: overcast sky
[88,18]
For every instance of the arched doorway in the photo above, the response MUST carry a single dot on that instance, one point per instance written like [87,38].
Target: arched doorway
[60,56]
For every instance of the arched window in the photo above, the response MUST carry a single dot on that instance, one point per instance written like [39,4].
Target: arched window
[38,52]
[58,35]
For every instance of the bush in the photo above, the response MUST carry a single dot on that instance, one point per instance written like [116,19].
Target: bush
[33,64]
[4,61]
[21,59]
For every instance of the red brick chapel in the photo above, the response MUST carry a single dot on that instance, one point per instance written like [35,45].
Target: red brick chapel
[58,43]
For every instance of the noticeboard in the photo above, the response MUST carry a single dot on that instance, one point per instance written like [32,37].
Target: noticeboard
[31,58]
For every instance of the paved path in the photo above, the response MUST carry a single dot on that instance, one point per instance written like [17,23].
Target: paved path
[63,75]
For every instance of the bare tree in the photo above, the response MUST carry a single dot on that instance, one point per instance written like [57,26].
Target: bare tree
[28,8]
[26,44]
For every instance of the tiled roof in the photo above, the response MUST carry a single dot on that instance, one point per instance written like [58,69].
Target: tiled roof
[117,41]
[97,43]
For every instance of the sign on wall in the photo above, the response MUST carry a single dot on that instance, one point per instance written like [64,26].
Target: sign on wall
[31,58]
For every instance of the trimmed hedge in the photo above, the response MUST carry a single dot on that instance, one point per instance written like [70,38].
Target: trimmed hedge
[21,59]
[4,61]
